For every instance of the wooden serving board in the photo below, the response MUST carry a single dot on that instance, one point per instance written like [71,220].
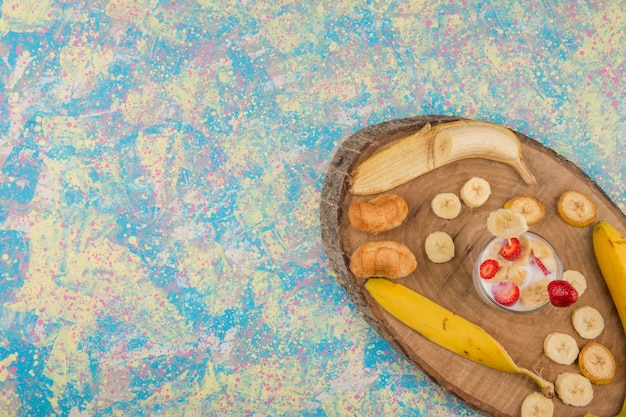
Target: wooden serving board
[450,284]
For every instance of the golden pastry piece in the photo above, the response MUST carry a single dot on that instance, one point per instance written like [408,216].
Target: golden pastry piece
[379,214]
[388,259]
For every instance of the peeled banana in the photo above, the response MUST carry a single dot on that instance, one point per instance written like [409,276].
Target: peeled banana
[610,249]
[447,329]
[435,146]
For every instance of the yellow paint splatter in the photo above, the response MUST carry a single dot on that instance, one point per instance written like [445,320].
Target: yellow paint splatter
[5,364]
[67,363]
[10,403]
[27,15]
[127,10]
[197,90]
[83,65]
[145,106]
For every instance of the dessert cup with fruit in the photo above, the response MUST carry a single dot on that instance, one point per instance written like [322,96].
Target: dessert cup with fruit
[513,274]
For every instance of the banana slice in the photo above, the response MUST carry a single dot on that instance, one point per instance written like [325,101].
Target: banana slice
[536,404]
[439,247]
[576,208]
[535,295]
[446,205]
[502,274]
[596,363]
[517,274]
[588,322]
[541,249]
[494,249]
[475,192]
[526,253]
[561,348]
[550,263]
[530,207]
[577,279]
[573,389]
[506,223]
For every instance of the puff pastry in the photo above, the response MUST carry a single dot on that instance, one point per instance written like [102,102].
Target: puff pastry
[388,259]
[379,214]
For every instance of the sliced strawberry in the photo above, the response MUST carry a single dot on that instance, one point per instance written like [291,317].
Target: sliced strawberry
[489,268]
[541,266]
[511,249]
[562,293]
[505,292]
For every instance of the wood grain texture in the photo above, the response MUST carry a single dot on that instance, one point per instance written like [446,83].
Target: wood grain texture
[493,393]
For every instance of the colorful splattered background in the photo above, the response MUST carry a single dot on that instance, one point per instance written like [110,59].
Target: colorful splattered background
[161,164]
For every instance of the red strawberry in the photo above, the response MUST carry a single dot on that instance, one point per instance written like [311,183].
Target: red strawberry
[489,268]
[505,292]
[562,293]
[511,249]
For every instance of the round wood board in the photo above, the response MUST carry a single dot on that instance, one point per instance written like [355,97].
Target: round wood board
[450,284]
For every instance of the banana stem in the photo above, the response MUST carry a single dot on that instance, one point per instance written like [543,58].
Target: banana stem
[547,387]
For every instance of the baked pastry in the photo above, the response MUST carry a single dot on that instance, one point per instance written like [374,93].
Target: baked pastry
[379,214]
[388,259]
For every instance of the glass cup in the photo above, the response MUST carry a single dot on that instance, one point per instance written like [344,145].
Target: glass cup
[538,264]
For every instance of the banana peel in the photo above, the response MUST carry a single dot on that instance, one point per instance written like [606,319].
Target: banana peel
[434,146]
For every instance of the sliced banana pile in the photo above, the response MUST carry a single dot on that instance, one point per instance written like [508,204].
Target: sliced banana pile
[439,245]
[595,360]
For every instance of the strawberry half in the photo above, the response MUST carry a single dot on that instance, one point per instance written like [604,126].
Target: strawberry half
[489,268]
[562,293]
[511,249]
[505,293]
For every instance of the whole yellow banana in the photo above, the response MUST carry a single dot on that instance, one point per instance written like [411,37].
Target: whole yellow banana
[447,329]
[609,246]
[433,147]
